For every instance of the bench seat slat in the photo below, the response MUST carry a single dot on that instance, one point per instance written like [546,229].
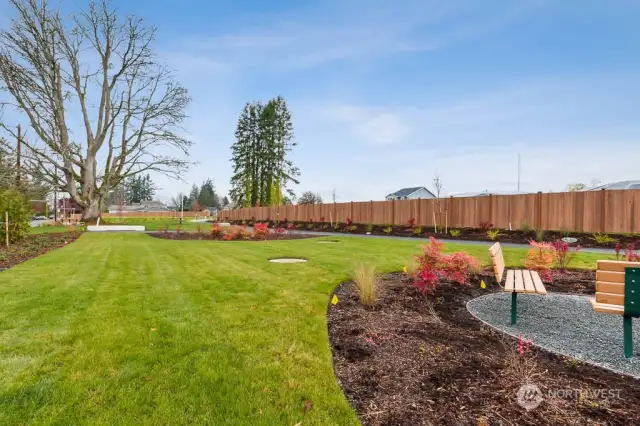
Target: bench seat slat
[508,285]
[610,298]
[519,281]
[606,308]
[606,287]
[528,282]
[537,281]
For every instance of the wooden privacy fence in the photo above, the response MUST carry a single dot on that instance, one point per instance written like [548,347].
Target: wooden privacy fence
[590,211]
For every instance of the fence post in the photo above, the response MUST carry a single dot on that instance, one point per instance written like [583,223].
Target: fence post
[371,209]
[538,211]
[393,212]
[491,209]
[604,210]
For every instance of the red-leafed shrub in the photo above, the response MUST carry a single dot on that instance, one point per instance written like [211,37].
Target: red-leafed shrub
[564,255]
[290,226]
[216,231]
[321,218]
[486,225]
[279,230]
[433,265]
[631,254]
[540,257]
[618,247]
[411,222]
[260,231]
[348,221]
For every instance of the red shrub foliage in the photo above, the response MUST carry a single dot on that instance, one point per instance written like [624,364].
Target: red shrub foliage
[564,254]
[348,221]
[321,218]
[217,231]
[411,222]
[540,257]
[485,225]
[279,230]
[618,247]
[433,265]
[260,231]
[290,226]
[631,254]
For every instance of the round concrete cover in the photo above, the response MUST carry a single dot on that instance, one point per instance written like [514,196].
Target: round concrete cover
[287,260]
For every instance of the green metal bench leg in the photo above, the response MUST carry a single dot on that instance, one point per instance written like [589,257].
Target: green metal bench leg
[514,309]
[628,336]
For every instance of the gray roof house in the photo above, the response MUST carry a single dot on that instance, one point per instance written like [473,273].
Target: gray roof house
[625,184]
[411,194]
[145,206]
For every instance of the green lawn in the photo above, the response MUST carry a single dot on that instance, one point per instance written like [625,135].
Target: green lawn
[159,223]
[130,329]
[52,229]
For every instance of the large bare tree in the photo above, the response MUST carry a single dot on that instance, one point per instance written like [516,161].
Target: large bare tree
[101,106]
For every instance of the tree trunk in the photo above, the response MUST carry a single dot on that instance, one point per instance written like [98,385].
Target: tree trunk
[92,211]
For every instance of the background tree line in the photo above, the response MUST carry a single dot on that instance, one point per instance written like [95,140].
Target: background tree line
[199,198]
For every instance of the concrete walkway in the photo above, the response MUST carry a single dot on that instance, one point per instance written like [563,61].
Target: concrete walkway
[479,243]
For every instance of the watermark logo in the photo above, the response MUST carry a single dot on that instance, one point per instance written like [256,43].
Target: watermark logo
[529,396]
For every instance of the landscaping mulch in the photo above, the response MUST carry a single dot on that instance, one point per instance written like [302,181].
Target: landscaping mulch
[516,236]
[206,236]
[33,246]
[422,361]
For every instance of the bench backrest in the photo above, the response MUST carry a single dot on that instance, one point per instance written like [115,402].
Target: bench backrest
[610,283]
[495,253]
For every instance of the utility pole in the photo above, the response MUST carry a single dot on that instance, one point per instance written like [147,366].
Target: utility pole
[518,172]
[18,155]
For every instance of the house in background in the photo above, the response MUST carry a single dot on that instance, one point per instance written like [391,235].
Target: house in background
[411,194]
[625,184]
[145,206]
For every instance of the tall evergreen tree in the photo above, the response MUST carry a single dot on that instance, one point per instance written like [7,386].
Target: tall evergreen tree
[139,188]
[264,138]
[208,196]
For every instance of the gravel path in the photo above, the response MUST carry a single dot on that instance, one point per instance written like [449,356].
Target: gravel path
[565,324]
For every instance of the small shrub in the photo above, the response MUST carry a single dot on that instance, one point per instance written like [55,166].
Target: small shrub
[631,254]
[525,227]
[325,226]
[290,226]
[564,254]
[216,231]
[492,234]
[337,226]
[618,247]
[260,231]
[485,225]
[352,228]
[387,230]
[455,232]
[411,222]
[565,233]
[417,230]
[310,226]
[540,257]
[178,228]
[199,229]
[279,230]
[540,235]
[243,234]
[434,265]
[165,229]
[366,281]
[299,225]
[19,209]
[603,238]
[321,218]
[348,221]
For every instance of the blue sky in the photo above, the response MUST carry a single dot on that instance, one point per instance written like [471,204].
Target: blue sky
[385,94]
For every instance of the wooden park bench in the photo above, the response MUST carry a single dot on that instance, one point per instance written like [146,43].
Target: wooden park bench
[618,293]
[517,281]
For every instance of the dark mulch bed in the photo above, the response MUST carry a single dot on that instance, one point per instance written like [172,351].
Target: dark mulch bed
[33,246]
[404,364]
[206,236]
[466,234]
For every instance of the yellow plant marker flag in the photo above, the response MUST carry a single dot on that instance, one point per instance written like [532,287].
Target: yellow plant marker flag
[482,284]
[334,300]
[404,269]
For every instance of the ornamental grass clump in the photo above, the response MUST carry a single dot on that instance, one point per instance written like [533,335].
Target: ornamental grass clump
[366,281]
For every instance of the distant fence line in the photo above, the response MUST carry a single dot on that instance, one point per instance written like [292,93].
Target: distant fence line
[589,211]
